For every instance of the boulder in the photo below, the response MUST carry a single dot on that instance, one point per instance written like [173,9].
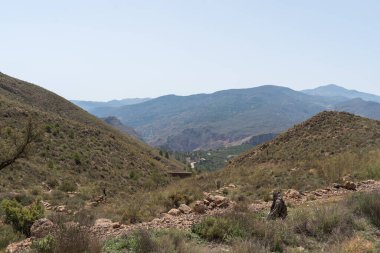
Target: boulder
[185,209]
[200,207]
[42,228]
[174,212]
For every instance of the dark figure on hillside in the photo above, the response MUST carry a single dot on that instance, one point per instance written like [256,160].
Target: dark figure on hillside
[278,208]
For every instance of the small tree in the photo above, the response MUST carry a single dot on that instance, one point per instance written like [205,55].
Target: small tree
[20,145]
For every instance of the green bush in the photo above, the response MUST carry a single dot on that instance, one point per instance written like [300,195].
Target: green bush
[367,205]
[141,242]
[115,245]
[219,229]
[68,186]
[8,235]
[44,245]
[20,217]
[324,222]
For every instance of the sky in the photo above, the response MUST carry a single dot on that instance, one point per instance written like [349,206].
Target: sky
[113,49]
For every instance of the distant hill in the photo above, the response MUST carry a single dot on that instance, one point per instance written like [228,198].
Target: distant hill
[204,121]
[337,91]
[92,106]
[73,148]
[314,153]
[360,107]
[116,123]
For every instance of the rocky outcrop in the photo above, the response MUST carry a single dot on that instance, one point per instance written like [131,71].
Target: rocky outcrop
[42,228]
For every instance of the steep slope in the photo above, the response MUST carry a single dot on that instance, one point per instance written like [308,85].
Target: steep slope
[73,147]
[210,120]
[338,92]
[116,123]
[360,107]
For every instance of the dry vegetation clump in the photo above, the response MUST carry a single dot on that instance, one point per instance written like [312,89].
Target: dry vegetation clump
[316,228]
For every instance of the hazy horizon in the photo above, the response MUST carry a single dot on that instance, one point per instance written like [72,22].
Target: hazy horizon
[105,50]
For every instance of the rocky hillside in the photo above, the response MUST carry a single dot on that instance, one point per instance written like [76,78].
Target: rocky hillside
[72,150]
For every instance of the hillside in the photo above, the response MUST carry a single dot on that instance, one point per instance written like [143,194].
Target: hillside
[74,151]
[314,153]
[338,92]
[223,118]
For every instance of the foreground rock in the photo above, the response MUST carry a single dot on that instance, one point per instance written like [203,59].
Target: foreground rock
[185,209]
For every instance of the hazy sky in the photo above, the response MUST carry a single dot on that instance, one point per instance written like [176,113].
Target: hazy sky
[101,50]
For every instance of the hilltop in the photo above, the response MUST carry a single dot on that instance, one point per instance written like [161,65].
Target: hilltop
[73,151]
[314,153]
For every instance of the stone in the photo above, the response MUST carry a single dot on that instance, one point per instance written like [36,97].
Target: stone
[185,209]
[116,225]
[199,207]
[60,209]
[349,185]
[210,198]
[17,247]
[293,194]
[174,212]
[42,228]
[219,199]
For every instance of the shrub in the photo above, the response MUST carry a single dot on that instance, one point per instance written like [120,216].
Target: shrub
[20,217]
[71,238]
[68,186]
[44,245]
[323,222]
[8,235]
[141,242]
[115,245]
[77,159]
[367,205]
[221,228]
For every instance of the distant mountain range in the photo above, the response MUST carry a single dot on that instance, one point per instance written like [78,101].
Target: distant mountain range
[333,90]
[93,105]
[231,117]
